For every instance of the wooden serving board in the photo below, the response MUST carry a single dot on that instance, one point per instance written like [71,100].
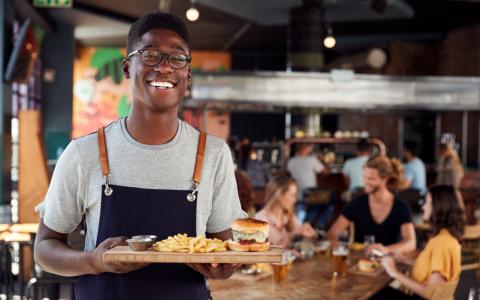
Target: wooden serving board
[125,254]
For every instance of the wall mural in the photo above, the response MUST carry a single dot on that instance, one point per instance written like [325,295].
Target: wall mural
[100,92]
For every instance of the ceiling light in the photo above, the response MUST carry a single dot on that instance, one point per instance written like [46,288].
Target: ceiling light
[329,40]
[192,13]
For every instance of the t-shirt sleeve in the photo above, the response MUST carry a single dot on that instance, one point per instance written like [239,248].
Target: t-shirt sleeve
[225,202]
[317,165]
[352,209]
[346,168]
[408,172]
[289,165]
[441,260]
[64,202]
[404,212]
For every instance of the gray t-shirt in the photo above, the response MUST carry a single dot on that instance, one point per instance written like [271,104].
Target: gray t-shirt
[304,170]
[75,188]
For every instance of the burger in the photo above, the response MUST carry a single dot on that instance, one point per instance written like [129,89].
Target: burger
[249,235]
[368,265]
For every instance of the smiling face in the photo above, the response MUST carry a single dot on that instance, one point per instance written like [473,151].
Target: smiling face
[289,197]
[372,180]
[427,207]
[157,88]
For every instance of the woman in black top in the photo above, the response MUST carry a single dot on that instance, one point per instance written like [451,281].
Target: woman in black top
[379,213]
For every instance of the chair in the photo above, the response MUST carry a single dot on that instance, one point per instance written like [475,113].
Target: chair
[317,201]
[442,291]
[412,197]
[36,284]
[471,247]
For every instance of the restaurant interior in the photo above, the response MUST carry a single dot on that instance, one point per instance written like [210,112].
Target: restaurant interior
[268,76]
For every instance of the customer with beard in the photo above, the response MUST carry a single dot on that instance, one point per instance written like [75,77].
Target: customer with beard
[379,212]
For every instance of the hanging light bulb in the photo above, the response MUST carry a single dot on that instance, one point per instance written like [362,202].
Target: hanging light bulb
[192,13]
[329,40]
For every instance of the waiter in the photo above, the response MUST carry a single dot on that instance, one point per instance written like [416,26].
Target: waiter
[148,173]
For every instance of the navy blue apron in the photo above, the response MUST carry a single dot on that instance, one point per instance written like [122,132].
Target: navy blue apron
[128,211]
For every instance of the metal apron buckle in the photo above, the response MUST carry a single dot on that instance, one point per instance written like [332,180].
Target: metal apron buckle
[108,190]
[193,195]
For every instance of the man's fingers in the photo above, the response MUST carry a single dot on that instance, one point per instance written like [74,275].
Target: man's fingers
[112,242]
[128,267]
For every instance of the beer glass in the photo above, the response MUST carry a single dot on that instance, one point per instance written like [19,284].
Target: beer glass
[339,260]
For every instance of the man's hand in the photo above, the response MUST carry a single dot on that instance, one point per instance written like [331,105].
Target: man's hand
[307,231]
[99,266]
[215,271]
[379,247]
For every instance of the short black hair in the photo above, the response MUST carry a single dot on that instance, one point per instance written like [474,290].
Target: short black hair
[412,146]
[363,146]
[156,20]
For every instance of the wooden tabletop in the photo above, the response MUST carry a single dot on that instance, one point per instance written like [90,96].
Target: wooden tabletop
[24,228]
[309,279]
[4,227]
[472,232]
[14,237]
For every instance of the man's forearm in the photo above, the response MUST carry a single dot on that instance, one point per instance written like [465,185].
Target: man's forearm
[406,245]
[56,257]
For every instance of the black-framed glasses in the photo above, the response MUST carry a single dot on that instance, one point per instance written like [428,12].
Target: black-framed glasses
[152,57]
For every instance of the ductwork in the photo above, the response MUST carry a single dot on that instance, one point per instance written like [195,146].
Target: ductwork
[339,90]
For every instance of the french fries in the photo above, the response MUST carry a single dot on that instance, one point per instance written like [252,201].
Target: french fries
[186,244]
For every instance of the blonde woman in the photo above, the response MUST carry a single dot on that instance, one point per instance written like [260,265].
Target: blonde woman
[449,167]
[280,198]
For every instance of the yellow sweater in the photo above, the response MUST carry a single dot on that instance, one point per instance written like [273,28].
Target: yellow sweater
[442,254]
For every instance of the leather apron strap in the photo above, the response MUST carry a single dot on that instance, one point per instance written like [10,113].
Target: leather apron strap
[202,140]
[102,147]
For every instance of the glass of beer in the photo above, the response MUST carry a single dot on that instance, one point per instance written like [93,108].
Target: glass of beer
[339,260]
[280,272]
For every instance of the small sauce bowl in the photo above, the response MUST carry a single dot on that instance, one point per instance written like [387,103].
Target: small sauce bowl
[146,236]
[140,244]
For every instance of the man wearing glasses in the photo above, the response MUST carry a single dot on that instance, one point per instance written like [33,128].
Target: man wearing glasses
[143,174]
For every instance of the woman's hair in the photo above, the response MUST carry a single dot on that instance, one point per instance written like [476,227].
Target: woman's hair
[447,211]
[450,152]
[276,188]
[245,190]
[390,168]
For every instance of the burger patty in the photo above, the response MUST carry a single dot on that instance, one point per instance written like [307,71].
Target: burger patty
[248,242]
[258,237]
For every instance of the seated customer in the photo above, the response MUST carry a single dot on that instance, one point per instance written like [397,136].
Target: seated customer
[281,196]
[415,173]
[245,192]
[379,212]
[353,167]
[440,261]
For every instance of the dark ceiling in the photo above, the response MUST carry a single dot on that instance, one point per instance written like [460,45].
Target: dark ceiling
[255,31]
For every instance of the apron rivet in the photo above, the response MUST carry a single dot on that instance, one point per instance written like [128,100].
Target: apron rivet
[108,191]
[191,197]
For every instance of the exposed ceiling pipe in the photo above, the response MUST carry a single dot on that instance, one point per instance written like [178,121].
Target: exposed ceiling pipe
[26,10]
[165,5]
[238,34]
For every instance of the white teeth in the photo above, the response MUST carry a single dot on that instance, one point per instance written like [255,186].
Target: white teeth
[161,84]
